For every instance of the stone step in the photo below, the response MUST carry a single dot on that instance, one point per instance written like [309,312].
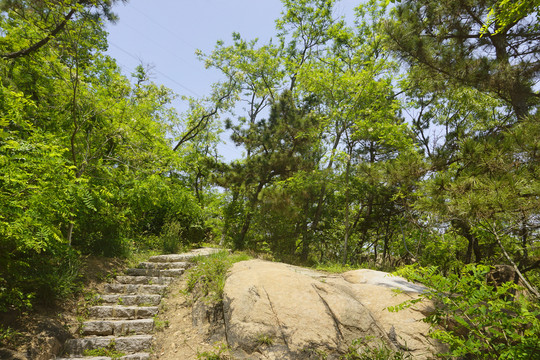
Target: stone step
[185,256]
[148,280]
[163,265]
[155,272]
[138,356]
[134,289]
[124,312]
[172,258]
[172,272]
[126,344]
[117,327]
[129,300]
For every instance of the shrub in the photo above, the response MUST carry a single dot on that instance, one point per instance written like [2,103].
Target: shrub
[171,236]
[45,276]
[476,319]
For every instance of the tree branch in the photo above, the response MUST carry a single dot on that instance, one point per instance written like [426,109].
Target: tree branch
[42,42]
[527,285]
[191,133]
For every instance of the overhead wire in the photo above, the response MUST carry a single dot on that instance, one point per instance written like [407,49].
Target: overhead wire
[161,46]
[156,70]
[163,27]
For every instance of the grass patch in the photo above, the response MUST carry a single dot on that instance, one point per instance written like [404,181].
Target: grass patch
[138,256]
[109,351]
[335,268]
[210,272]
[220,352]
[160,324]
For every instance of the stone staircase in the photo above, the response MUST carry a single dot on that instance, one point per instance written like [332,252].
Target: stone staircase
[123,322]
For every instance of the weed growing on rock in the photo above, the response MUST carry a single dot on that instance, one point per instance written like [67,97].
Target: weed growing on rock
[263,339]
[219,353]
[362,349]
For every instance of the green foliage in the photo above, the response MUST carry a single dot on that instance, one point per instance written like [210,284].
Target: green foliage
[160,324]
[8,335]
[266,340]
[86,156]
[477,319]
[444,39]
[171,237]
[209,274]
[505,13]
[220,352]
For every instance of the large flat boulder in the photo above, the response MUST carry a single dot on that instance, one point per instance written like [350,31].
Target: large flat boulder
[279,311]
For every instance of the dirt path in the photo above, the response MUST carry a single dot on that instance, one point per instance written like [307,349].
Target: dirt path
[177,338]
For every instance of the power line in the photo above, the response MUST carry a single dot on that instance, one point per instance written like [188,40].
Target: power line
[157,71]
[165,48]
[163,27]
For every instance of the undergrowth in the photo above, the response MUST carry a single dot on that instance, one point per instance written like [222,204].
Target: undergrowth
[476,319]
[210,272]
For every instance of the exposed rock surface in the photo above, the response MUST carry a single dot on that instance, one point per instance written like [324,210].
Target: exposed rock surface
[279,311]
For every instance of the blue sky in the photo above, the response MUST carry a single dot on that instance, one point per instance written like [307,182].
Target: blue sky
[166,33]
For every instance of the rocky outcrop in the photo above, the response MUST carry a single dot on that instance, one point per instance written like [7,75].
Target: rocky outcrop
[279,311]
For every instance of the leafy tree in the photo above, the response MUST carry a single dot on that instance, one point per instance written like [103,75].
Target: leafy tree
[87,158]
[38,22]
[471,96]
[505,13]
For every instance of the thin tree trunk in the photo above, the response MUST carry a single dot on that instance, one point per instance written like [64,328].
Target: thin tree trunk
[347,205]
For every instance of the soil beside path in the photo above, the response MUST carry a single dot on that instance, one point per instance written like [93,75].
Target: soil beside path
[176,337]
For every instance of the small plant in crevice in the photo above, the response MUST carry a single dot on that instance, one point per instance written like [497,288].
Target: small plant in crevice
[220,352]
[311,353]
[109,277]
[366,349]
[160,324]
[91,298]
[8,335]
[108,351]
[264,339]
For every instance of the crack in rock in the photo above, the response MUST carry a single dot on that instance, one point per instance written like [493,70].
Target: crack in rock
[330,312]
[283,336]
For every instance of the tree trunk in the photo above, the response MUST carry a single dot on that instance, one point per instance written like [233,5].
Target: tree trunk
[240,242]
[347,205]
